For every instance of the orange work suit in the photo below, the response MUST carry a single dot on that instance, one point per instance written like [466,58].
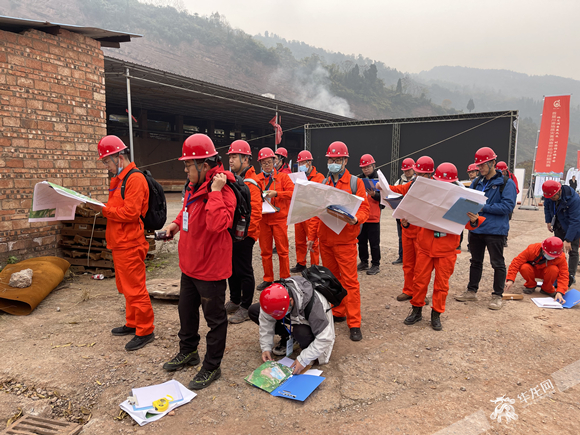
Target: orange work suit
[409,242]
[532,264]
[273,226]
[256,203]
[339,251]
[435,252]
[126,238]
[301,231]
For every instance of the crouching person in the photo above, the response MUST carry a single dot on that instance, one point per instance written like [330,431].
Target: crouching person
[294,311]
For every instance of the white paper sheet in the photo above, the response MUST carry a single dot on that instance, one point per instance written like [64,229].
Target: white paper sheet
[52,202]
[267,208]
[383,185]
[289,361]
[547,303]
[311,199]
[147,395]
[297,176]
[428,200]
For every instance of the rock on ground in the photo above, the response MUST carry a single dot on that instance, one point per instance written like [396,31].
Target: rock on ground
[21,279]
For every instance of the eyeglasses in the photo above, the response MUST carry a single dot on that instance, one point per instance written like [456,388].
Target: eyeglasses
[106,161]
[335,160]
[266,162]
[189,163]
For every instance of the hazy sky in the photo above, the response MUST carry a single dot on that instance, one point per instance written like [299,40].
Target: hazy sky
[531,36]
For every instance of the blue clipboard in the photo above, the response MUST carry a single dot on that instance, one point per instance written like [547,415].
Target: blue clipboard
[572,298]
[341,210]
[298,387]
[371,183]
[458,212]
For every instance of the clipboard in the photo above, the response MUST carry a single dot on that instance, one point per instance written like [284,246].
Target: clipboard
[339,209]
[371,183]
[298,387]
[458,211]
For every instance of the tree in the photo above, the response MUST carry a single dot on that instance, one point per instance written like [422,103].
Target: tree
[470,105]
[371,74]
[399,89]
[446,104]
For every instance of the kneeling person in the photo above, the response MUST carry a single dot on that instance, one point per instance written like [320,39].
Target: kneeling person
[295,310]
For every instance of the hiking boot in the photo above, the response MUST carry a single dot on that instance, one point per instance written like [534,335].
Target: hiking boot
[138,342]
[298,268]
[404,297]
[414,316]
[231,308]
[529,291]
[466,296]
[264,286]
[204,377]
[338,319]
[436,321]
[496,302]
[280,349]
[362,266]
[123,330]
[181,360]
[373,270]
[398,261]
[240,316]
[355,334]
[552,295]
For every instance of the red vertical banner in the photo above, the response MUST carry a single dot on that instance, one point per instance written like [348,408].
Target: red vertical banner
[553,139]
[578,160]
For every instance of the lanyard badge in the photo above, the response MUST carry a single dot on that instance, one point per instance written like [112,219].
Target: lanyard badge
[290,341]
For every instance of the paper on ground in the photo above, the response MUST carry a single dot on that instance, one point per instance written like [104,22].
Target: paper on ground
[297,176]
[311,199]
[546,303]
[140,416]
[289,361]
[383,184]
[52,202]
[147,395]
[428,200]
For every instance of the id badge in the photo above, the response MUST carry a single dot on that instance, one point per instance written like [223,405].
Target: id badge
[185,221]
[553,223]
[289,346]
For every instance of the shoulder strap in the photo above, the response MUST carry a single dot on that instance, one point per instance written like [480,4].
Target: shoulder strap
[251,181]
[478,180]
[353,184]
[308,308]
[132,171]
[505,180]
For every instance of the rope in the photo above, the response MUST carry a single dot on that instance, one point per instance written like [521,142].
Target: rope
[91,241]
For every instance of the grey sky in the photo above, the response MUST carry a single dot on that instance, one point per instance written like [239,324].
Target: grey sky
[530,36]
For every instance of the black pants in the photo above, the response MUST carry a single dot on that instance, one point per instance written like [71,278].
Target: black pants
[400,234]
[242,281]
[301,333]
[211,295]
[370,233]
[572,256]
[494,244]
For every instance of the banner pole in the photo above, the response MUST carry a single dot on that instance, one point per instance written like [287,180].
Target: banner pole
[530,194]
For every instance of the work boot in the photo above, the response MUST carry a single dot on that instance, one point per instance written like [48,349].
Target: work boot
[138,342]
[204,378]
[338,319]
[363,265]
[552,295]
[373,270]
[496,302]
[404,297]
[280,348]
[435,320]
[398,261]
[529,291]
[231,308]
[181,360]
[264,285]
[123,330]
[466,296]
[298,268]
[240,316]
[355,334]
[414,316]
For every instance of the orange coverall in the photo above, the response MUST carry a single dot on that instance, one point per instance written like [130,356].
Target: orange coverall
[256,203]
[301,231]
[531,264]
[273,226]
[435,253]
[339,251]
[126,238]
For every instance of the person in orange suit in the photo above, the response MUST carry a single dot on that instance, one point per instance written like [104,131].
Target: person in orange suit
[277,188]
[424,167]
[281,165]
[545,261]
[126,238]
[301,229]
[339,251]
[436,250]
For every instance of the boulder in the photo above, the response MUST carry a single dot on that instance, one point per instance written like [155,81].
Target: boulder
[21,279]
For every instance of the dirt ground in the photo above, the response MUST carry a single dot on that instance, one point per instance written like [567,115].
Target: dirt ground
[62,360]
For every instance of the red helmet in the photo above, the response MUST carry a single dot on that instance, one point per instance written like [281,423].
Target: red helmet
[553,246]
[472,167]
[110,145]
[275,301]
[198,146]
[485,154]
[240,147]
[337,149]
[304,156]
[550,188]
[502,166]
[266,153]
[366,160]
[407,164]
[446,172]
[424,165]
[282,152]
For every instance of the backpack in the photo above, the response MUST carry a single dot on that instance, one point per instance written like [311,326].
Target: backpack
[242,214]
[156,214]
[325,283]
[353,186]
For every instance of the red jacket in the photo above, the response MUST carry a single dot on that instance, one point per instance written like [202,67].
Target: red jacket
[315,176]
[285,169]
[441,246]
[284,187]
[412,230]
[124,226]
[532,255]
[349,233]
[204,248]
[256,195]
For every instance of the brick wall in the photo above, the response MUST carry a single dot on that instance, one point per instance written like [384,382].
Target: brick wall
[52,115]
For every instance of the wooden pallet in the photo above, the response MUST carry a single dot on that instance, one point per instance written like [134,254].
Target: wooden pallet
[30,425]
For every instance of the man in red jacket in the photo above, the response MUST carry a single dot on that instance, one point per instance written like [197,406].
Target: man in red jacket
[205,252]
[545,261]
[280,161]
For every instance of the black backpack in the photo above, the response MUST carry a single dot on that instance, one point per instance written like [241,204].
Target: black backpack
[325,283]
[156,214]
[242,214]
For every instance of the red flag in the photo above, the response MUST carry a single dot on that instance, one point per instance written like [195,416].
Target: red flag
[134,119]
[578,160]
[278,130]
[553,139]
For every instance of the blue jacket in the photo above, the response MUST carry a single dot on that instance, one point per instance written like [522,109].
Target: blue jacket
[567,212]
[498,207]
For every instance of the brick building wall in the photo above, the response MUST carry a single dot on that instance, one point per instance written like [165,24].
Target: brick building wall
[52,115]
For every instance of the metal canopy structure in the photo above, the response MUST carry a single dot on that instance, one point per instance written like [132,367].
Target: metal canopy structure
[162,91]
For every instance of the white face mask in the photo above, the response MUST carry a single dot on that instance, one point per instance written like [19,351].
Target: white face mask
[548,257]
